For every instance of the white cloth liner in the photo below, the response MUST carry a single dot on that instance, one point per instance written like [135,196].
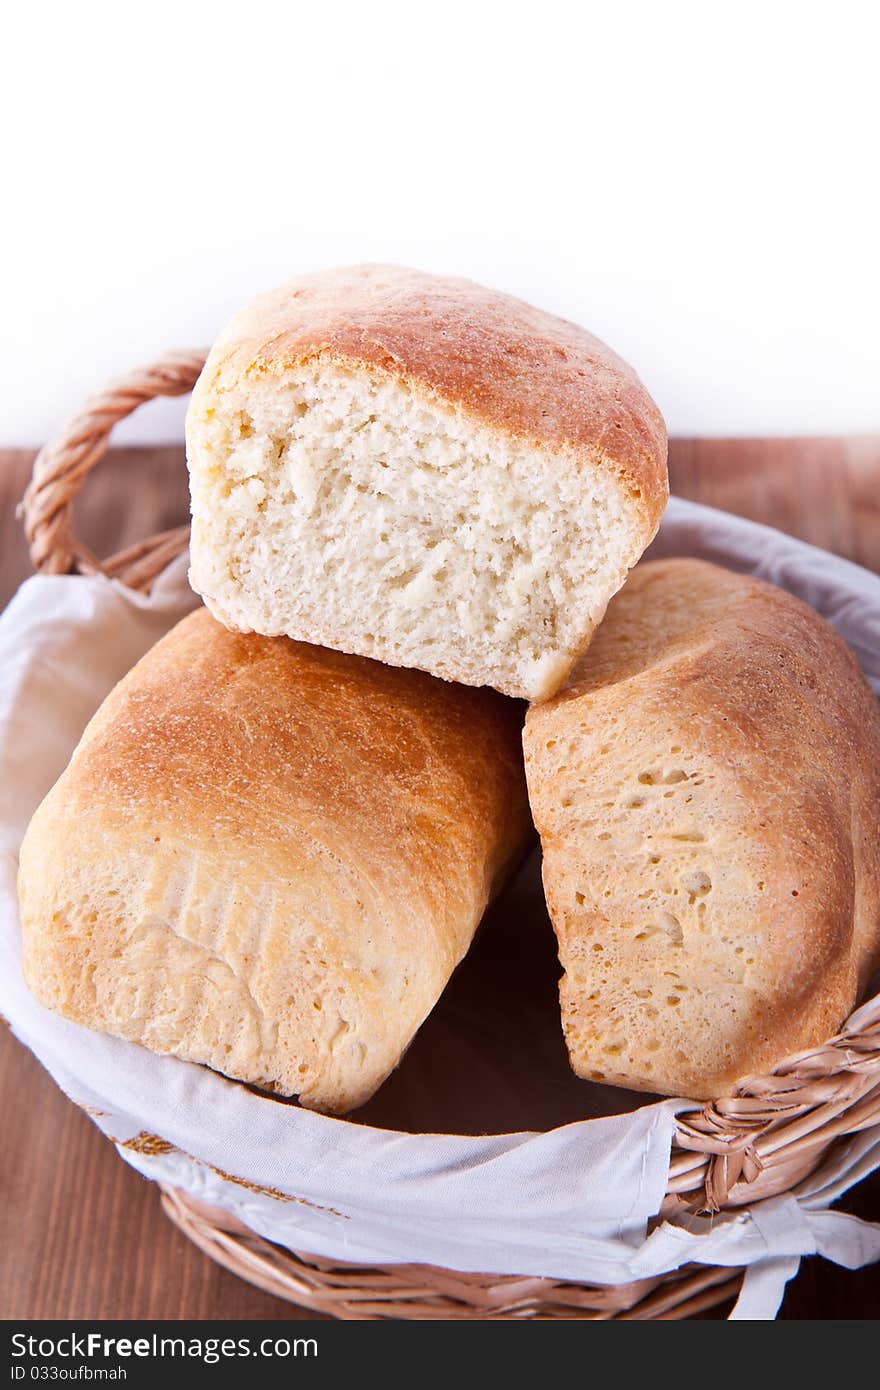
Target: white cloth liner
[572,1203]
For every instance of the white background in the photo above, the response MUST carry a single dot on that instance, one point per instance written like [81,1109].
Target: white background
[696,183]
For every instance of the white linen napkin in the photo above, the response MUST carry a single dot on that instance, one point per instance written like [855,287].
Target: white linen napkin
[572,1203]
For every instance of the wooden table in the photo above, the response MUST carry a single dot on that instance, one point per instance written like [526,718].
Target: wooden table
[81,1234]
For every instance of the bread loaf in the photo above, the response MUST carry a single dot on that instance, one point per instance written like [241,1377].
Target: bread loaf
[707,792]
[269,858]
[422,471]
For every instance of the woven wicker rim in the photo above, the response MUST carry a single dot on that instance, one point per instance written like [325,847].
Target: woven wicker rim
[771,1132]
[370,1292]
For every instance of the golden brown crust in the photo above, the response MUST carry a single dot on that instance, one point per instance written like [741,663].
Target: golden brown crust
[269,857]
[707,791]
[512,366]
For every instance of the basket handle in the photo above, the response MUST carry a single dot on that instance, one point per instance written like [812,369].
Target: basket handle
[62,466]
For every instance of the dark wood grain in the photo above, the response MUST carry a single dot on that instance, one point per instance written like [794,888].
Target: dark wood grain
[81,1234]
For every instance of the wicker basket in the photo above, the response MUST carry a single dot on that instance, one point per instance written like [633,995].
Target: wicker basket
[760,1141]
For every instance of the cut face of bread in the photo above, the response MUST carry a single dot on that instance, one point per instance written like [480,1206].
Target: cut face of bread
[707,791]
[269,858]
[369,509]
[340,504]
